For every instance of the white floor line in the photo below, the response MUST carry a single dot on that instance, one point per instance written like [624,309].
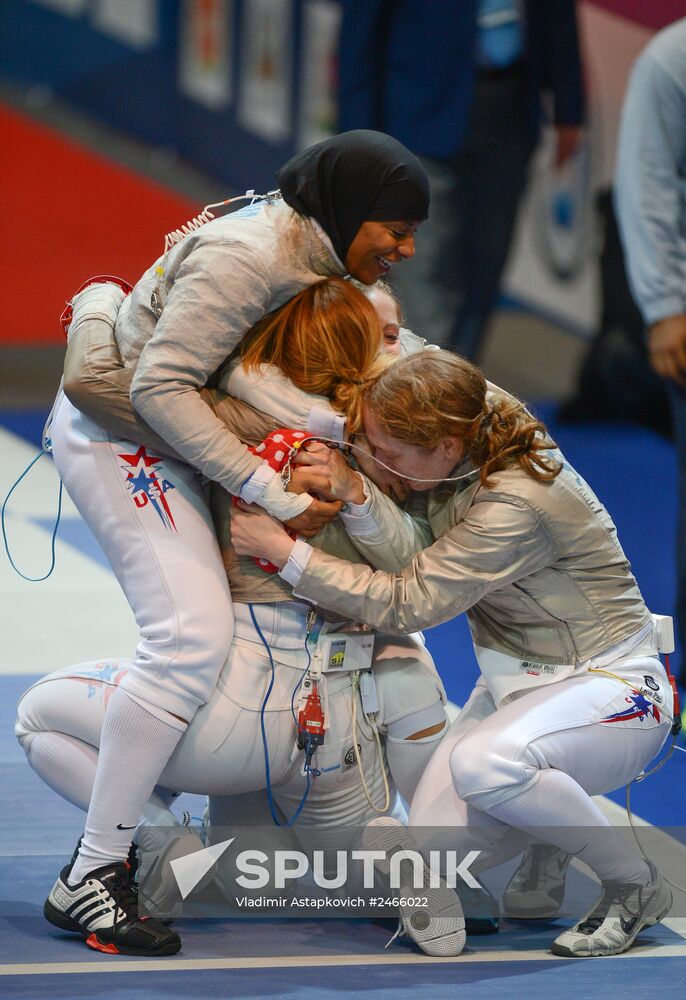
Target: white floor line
[80,612]
[313,961]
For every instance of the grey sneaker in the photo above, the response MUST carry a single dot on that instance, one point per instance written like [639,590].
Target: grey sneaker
[622,912]
[437,928]
[537,888]
[158,847]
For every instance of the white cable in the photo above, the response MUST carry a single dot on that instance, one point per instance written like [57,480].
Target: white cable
[358,759]
[641,777]
[401,475]
[176,235]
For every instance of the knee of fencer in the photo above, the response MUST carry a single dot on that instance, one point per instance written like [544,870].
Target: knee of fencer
[410,727]
[30,742]
[483,771]
[24,727]
[403,694]
[37,748]
[25,740]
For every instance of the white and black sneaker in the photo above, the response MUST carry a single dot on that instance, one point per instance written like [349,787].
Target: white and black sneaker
[103,908]
[537,888]
[623,910]
[437,928]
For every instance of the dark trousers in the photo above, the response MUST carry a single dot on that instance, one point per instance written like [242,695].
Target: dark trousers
[677,398]
[448,290]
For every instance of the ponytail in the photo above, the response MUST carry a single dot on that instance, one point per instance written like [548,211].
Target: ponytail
[348,395]
[506,432]
[326,339]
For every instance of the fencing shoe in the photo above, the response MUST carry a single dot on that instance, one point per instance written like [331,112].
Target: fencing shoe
[157,847]
[103,908]
[481,911]
[623,910]
[537,888]
[437,926]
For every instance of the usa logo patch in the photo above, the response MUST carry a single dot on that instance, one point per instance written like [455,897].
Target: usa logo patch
[146,487]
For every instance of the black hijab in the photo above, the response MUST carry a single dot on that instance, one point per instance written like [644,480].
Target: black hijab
[353,178]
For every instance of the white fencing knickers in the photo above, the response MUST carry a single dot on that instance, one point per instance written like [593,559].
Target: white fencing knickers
[221,752]
[151,518]
[588,734]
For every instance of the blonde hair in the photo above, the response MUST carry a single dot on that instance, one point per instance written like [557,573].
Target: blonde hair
[326,340]
[383,288]
[430,396]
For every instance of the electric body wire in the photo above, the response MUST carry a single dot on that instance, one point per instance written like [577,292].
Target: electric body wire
[644,774]
[265,742]
[641,777]
[358,760]
[401,475]
[31,579]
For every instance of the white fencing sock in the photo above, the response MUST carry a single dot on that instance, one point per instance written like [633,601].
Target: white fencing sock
[134,748]
[68,766]
[557,808]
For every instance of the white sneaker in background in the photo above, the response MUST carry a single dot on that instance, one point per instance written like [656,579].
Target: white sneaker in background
[537,888]
[437,928]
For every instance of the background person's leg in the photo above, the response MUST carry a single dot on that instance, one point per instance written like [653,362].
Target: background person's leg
[430,287]
[493,168]
[449,289]
[677,399]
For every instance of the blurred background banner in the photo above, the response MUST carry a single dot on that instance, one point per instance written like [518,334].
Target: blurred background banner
[234,87]
[554,258]
[318,71]
[265,100]
[206,52]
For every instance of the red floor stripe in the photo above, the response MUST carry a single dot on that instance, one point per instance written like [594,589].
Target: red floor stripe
[68,213]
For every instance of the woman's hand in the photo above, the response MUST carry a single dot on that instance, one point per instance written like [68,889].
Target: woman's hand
[255,533]
[309,479]
[315,518]
[337,480]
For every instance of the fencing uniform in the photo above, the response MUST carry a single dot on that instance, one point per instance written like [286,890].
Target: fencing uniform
[550,599]
[255,260]
[221,752]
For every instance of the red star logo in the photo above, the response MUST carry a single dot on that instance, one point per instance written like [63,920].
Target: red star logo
[140,456]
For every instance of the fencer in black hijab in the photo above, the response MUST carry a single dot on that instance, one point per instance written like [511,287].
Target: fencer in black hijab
[353,178]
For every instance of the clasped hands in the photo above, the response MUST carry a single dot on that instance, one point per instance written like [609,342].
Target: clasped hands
[319,470]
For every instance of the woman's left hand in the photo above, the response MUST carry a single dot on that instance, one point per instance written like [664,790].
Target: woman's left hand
[255,533]
[343,483]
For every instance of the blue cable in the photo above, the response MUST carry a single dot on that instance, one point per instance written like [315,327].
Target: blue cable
[31,579]
[265,743]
